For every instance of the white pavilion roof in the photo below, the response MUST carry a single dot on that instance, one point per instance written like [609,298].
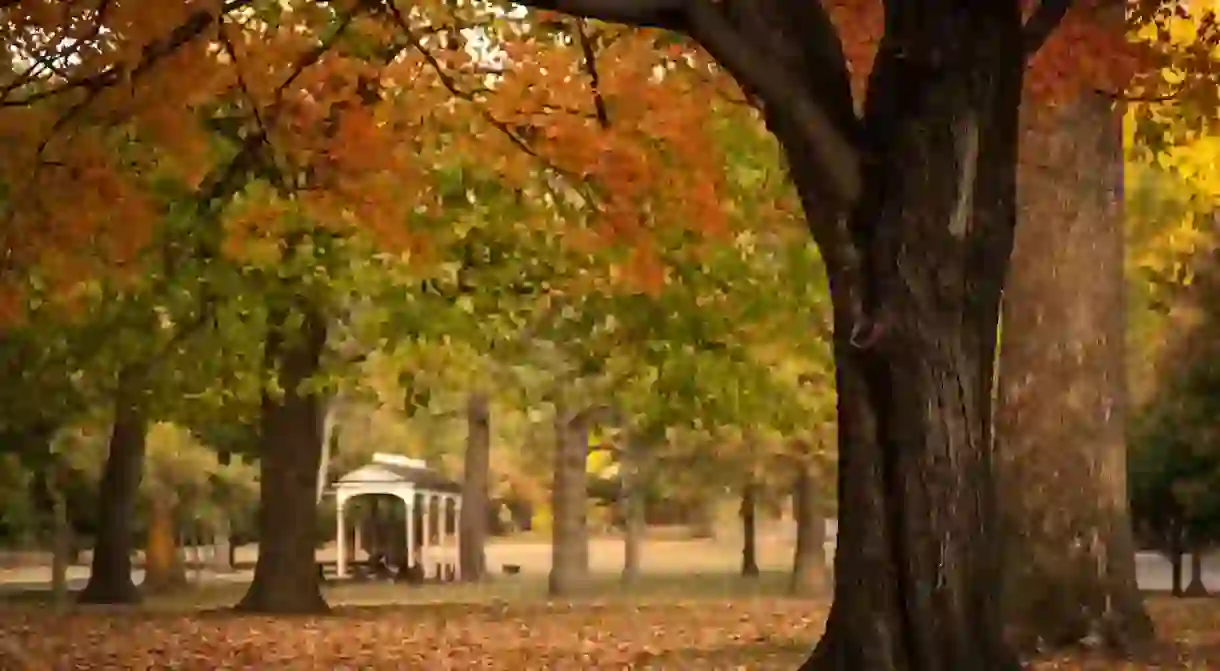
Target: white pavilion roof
[392,469]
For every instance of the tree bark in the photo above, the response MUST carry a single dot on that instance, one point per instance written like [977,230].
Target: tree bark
[164,570]
[749,531]
[703,510]
[1174,554]
[808,558]
[569,494]
[222,546]
[1175,562]
[286,576]
[61,543]
[110,574]
[327,429]
[917,571]
[1061,416]
[634,521]
[476,477]
[1196,588]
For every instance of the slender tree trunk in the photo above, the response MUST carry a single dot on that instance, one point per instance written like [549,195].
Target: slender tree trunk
[1175,562]
[476,477]
[222,545]
[808,558]
[286,577]
[110,574]
[749,532]
[1196,588]
[703,526]
[164,570]
[917,571]
[569,495]
[327,425]
[1061,417]
[634,521]
[61,543]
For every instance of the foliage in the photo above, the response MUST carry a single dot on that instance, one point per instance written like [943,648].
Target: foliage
[1175,463]
[305,97]
[184,471]
[1171,198]
[1175,489]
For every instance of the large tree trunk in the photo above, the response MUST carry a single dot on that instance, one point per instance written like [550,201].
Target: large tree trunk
[110,575]
[917,571]
[749,530]
[808,558]
[634,521]
[916,275]
[569,495]
[286,578]
[164,570]
[1061,415]
[476,477]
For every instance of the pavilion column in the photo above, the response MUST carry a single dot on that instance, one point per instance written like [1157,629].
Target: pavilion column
[426,541]
[457,538]
[340,537]
[442,521]
[410,501]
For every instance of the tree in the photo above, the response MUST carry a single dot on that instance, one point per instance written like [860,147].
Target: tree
[632,498]
[1173,498]
[475,477]
[1063,350]
[110,572]
[569,533]
[290,448]
[749,544]
[1062,395]
[898,336]
[97,354]
[808,557]
[1173,487]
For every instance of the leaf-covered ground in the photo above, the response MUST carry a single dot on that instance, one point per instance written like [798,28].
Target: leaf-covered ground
[763,633]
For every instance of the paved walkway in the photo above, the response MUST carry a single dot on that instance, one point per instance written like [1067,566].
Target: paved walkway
[605,557]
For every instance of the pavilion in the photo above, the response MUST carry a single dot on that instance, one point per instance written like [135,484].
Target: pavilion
[433,511]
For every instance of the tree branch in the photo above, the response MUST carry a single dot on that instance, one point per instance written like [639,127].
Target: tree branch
[1045,18]
[451,85]
[834,154]
[586,48]
[663,14]
[193,27]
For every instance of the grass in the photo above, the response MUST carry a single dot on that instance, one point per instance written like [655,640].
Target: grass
[521,589]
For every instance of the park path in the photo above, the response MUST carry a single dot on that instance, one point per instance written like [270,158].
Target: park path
[661,557]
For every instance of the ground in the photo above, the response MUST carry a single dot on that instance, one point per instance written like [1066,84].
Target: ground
[697,622]
[700,618]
